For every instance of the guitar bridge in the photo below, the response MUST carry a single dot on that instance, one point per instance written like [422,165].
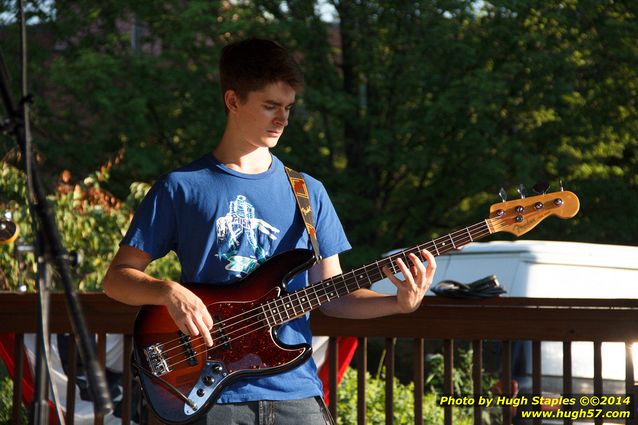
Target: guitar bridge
[156,361]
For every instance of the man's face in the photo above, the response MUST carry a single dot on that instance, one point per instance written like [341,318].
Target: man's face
[263,115]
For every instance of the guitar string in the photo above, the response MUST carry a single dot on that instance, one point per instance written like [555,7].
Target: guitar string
[495,222]
[247,332]
[289,297]
[224,339]
[314,287]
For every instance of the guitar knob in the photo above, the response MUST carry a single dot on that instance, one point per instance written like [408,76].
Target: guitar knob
[217,368]
[200,392]
[209,380]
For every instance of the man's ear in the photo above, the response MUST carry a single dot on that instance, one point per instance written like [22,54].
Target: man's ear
[231,100]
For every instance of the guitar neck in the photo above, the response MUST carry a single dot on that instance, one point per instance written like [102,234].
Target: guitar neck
[303,301]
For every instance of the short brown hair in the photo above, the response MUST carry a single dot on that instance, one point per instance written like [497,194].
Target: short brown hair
[252,64]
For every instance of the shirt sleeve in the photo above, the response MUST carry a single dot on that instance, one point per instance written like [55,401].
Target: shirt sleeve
[330,234]
[153,229]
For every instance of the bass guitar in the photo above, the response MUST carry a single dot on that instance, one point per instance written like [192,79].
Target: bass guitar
[182,378]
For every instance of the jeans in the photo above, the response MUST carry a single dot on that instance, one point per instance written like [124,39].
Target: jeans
[307,411]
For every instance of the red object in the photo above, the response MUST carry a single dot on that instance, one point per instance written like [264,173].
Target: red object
[347,346]
[7,351]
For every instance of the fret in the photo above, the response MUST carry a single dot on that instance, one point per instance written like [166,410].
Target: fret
[359,278]
[281,318]
[343,289]
[329,294]
[451,240]
[314,291]
[435,247]
[393,266]
[380,269]
[290,306]
[296,293]
[469,234]
[263,309]
[373,274]
[406,258]
[418,253]
[370,282]
[444,246]
[335,289]
[303,299]
[325,290]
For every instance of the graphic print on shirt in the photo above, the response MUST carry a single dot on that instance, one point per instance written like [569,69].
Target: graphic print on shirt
[238,227]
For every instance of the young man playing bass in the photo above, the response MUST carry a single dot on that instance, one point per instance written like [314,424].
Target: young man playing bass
[229,211]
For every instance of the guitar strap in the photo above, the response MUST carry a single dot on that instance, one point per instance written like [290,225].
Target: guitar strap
[300,190]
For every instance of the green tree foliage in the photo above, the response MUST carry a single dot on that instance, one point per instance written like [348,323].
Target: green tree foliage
[90,221]
[414,115]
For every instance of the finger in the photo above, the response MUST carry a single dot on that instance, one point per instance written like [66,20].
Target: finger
[388,273]
[208,320]
[418,269]
[430,260]
[407,275]
[204,331]
[183,328]
[191,329]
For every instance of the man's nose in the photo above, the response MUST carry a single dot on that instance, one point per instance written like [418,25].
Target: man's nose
[282,117]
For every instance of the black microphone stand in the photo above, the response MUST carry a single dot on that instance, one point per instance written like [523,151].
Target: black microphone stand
[48,248]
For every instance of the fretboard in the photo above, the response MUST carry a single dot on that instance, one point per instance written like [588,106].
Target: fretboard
[295,304]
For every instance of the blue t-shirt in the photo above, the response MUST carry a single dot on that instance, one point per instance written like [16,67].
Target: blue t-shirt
[223,224]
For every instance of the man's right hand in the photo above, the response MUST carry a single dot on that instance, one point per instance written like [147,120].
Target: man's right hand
[189,312]
[127,282]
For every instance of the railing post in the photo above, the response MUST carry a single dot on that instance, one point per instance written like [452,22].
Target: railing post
[70,383]
[389,380]
[100,352]
[448,383]
[419,376]
[630,385]
[507,380]
[567,376]
[477,378]
[333,376]
[598,374]
[16,411]
[536,374]
[362,363]
[127,379]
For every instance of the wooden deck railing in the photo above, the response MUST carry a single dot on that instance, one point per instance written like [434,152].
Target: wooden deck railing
[501,319]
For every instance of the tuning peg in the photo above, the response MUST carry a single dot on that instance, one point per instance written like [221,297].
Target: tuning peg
[521,190]
[561,185]
[503,194]
[541,188]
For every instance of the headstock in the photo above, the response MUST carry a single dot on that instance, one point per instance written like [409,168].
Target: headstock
[519,216]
